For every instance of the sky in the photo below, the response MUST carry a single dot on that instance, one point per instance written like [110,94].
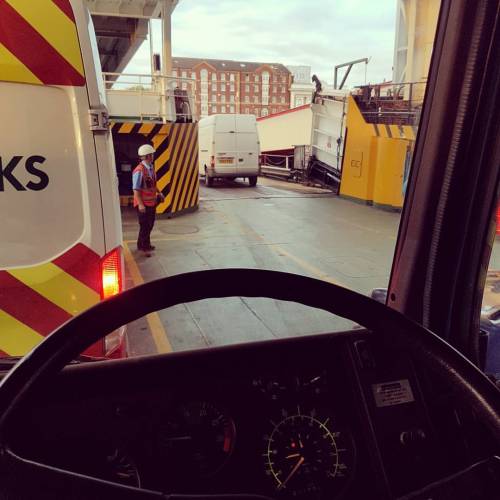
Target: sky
[316,33]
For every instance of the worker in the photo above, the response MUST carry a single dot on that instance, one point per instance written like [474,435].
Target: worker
[318,88]
[146,197]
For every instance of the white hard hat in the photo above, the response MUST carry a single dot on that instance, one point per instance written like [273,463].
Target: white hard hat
[146,149]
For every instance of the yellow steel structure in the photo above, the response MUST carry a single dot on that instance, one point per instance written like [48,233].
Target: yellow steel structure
[374,160]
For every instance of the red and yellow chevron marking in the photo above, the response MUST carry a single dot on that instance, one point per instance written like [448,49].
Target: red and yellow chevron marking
[35,300]
[39,43]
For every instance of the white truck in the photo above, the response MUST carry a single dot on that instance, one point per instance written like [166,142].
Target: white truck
[229,148]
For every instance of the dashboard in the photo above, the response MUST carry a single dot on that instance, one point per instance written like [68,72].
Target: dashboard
[323,417]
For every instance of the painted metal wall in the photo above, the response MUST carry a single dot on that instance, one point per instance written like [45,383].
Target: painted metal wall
[176,160]
[285,130]
[375,157]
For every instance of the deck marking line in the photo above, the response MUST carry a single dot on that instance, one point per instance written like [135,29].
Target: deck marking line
[158,331]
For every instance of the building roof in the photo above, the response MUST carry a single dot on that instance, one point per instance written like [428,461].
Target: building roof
[225,64]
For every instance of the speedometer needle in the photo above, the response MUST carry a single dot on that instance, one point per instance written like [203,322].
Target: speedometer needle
[294,470]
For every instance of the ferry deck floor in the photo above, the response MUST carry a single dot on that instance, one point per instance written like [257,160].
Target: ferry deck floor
[277,225]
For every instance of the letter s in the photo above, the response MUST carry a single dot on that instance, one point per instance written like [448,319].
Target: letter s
[31,169]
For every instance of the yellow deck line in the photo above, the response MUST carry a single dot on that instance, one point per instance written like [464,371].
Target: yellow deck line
[316,271]
[13,70]
[155,325]
[54,284]
[16,338]
[55,26]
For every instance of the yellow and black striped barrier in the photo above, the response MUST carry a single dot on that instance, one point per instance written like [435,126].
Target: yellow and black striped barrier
[176,160]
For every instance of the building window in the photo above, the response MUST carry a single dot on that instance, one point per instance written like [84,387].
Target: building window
[283,79]
[256,99]
[214,77]
[184,74]
[174,73]
[231,77]
[256,89]
[247,77]
[231,88]
[184,86]
[231,98]
[247,98]
[273,99]
[214,109]
[223,77]
[256,78]
[231,109]
[264,112]
[273,110]
[265,77]
[222,87]
[223,98]
[265,99]
[247,88]
[275,77]
[223,109]
[299,101]
[247,111]
[282,100]
[204,78]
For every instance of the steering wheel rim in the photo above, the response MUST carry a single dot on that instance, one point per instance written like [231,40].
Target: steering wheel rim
[63,345]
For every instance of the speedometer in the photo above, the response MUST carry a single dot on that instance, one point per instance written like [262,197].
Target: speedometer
[307,456]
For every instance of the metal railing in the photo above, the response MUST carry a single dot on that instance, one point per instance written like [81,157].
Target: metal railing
[150,97]
[391,103]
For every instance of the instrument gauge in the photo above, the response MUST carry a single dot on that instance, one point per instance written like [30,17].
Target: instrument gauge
[307,456]
[199,439]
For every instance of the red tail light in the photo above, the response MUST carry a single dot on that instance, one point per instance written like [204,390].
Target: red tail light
[111,273]
[212,161]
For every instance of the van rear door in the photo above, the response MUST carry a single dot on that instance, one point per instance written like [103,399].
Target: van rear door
[247,143]
[53,228]
[225,141]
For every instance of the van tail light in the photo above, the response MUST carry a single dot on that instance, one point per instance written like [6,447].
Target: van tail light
[111,274]
[212,161]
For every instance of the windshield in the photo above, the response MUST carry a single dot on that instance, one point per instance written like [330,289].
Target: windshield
[284,143]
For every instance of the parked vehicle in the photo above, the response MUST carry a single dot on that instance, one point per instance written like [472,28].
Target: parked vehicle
[229,148]
[61,237]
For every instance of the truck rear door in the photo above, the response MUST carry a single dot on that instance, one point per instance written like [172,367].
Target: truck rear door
[52,232]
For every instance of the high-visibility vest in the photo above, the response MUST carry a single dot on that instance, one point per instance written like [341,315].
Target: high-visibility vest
[148,186]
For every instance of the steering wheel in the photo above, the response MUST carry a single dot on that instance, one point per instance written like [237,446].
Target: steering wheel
[20,477]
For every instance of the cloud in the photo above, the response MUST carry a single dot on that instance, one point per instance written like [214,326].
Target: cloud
[319,33]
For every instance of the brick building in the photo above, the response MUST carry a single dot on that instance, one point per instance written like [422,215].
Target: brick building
[222,86]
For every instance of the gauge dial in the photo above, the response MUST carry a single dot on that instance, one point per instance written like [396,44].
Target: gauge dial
[198,440]
[305,456]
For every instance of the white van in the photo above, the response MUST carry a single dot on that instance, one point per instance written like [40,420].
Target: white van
[61,236]
[228,147]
